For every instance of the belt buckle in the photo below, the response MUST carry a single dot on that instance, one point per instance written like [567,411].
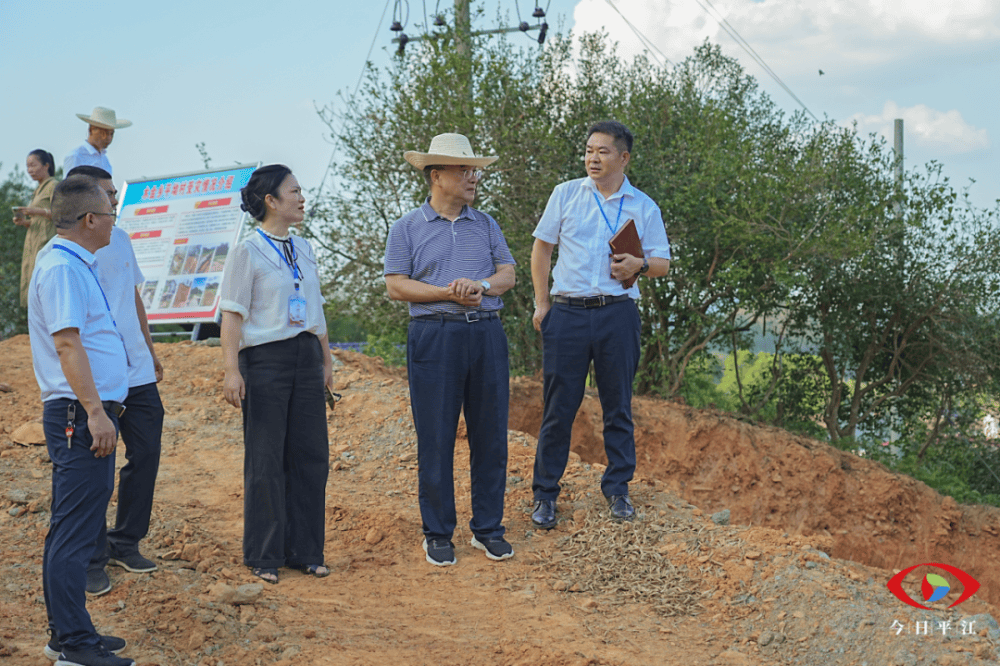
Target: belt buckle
[593,301]
[474,316]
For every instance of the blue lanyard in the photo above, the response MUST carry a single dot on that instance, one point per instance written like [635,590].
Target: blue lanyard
[294,265]
[606,220]
[66,249]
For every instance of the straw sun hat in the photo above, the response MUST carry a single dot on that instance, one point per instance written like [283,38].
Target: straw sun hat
[104,118]
[448,149]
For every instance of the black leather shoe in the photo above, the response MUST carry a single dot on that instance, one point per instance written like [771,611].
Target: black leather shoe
[621,507]
[544,515]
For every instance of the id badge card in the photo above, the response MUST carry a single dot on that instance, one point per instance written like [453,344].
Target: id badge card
[296,311]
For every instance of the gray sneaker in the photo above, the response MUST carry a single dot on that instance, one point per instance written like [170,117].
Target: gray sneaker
[496,548]
[112,644]
[134,562]
[98,582]
[440,552]
[94,655]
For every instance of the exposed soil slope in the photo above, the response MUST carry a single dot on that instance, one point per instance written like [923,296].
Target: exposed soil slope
[799,578]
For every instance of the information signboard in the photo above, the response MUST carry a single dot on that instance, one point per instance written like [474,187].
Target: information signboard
[182,229]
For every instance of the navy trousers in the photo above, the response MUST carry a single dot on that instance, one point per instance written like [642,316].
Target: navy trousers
[81,487]
[286,453]
[141,427]
[572,337]
[455,366]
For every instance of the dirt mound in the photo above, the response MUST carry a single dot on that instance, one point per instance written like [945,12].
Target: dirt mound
[780,589]
[766,476]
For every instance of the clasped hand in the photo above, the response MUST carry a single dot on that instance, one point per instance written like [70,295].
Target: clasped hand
[466,292]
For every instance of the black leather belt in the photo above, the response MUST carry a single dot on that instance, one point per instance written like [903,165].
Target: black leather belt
[470,316]
[589,301]
[115,408]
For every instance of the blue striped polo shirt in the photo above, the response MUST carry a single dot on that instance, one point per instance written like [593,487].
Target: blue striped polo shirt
[428,248]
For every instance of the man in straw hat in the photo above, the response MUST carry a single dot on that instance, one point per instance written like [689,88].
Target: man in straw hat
[451,263]
[591,315]
[94,151]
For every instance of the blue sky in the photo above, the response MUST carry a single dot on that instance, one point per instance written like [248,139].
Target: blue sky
[245,78]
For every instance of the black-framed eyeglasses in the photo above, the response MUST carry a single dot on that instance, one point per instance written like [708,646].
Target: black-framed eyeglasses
[94,212]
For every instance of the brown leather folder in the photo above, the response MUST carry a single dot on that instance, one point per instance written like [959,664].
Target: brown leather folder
[626,241]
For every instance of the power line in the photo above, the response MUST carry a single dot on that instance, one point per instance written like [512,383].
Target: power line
[642,38]
[732,32]
[361,76]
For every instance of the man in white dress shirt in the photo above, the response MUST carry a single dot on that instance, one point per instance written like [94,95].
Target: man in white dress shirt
[80,364]
[589,315]
[142,423]
[101,132]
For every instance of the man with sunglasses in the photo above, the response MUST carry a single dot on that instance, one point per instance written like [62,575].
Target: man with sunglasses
[451,263]
[80,364]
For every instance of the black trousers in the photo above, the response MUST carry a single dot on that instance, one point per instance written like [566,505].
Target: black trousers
[287,453]
[457,366]
[81,488]
[571,338]
[141,428]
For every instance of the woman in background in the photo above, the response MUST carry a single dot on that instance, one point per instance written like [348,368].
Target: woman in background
[277,362]
[37,215]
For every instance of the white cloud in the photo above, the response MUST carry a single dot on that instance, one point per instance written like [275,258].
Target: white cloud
[795,35]
[944,132]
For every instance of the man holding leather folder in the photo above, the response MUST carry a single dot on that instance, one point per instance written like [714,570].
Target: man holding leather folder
[589,314]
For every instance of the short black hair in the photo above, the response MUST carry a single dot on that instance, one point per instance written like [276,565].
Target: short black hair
[617,131]
[88,170]
[45,157]
[71,198]
[427,172]
[265,180]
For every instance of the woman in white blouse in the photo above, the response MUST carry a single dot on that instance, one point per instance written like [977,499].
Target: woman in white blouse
[277,362]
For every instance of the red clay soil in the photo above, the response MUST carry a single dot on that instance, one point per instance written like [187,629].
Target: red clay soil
[767,476]
[799,577]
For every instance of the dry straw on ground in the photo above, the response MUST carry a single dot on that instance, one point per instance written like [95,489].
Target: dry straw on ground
[622,560]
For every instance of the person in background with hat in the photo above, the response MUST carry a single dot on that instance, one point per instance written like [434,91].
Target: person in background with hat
[36,216]
[100,134]
[591,316]
[80,364]
[451,263]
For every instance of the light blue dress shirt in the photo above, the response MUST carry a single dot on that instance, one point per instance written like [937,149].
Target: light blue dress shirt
[64,293]
[88,155]
[573,221]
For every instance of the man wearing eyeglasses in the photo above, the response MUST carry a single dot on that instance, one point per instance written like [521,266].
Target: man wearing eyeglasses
[451,263]
[80,364]
[590,315]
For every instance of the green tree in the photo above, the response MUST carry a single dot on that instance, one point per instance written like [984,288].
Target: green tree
[869,293]
[14,191]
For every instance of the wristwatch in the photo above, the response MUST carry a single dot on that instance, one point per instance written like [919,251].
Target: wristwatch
[486,285]
[645,266]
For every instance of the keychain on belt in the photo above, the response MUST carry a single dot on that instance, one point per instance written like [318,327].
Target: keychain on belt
[70,424]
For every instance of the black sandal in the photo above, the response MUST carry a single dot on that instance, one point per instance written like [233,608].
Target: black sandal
[263,572]
[314,570]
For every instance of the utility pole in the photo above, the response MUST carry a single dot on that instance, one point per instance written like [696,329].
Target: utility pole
[897,151]
[463,28]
